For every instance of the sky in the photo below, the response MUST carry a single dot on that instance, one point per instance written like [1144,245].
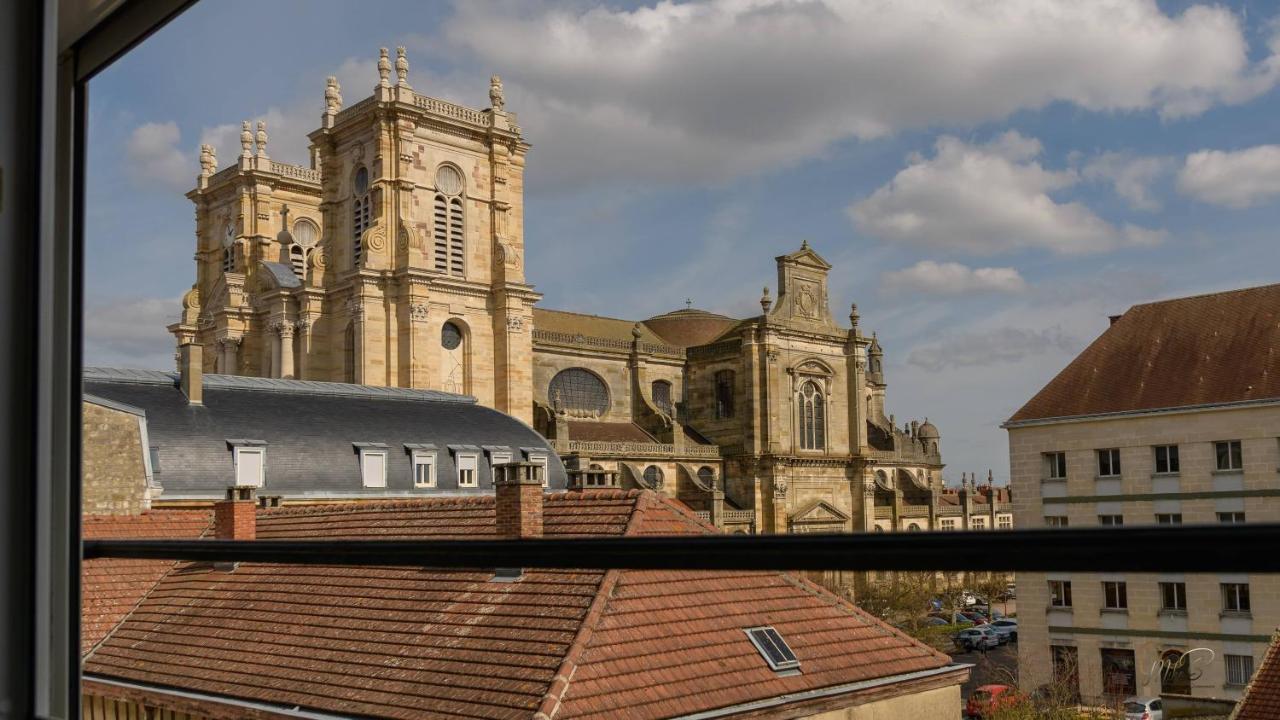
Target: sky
[991,179]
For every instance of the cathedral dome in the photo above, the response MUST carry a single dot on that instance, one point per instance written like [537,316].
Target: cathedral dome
[690,326]
[928,431]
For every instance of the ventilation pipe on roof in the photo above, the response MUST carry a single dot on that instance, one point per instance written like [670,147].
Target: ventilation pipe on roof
[1114,318]
[190,370]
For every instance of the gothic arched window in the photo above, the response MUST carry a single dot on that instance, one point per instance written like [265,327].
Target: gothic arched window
[662,397]
[450,240]
[349,353]
[579,392]
[724,394]
[813,419]
[229,248]
[361,207]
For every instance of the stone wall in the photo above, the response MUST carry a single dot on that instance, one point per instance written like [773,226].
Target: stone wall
[114,478]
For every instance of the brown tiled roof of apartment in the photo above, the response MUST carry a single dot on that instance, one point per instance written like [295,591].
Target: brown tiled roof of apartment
[1202,350]
[111,587]
[1261,699]
[404,642]
[590,430]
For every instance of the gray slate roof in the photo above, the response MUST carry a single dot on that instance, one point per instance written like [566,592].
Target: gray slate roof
[311,431]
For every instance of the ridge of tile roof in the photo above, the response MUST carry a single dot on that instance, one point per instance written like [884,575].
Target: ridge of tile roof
[1203,350]
[1261,699]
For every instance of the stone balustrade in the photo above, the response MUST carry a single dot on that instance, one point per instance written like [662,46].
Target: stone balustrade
[297,172]
[450,110]
[635,449]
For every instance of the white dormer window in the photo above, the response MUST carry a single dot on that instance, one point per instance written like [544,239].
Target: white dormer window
[540,459]
[250,464]
[467,465]
[373,464]
[424,468]
[499,457]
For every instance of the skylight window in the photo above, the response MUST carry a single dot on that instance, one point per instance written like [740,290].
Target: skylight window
[773,648]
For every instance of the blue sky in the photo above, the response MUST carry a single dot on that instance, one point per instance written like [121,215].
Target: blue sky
[990,180]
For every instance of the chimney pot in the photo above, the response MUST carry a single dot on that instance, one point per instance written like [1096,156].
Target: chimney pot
[236,517]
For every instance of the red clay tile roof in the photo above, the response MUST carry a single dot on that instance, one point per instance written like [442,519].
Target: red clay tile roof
[689,327]
[1207,349]
[404,642]
[1261,700]
[110,588]
[608,432]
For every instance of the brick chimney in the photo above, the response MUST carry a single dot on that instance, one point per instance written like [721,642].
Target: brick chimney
[236,517]
[518,500]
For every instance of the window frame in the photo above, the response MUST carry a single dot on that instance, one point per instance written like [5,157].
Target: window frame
[1115,595]
[366,451]
[421,457]
[1055,464]
[1235,598]
[239,450]
[1234,517]
[461,457]
[1228,660]
[1056,521]
[1169,518]
[1112,520]
[1179,596]
[1060,595]
[1108,460]
[1171,459]
[723,383]
[1234,455]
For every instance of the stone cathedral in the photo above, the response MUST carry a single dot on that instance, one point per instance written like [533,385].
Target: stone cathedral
[397,259]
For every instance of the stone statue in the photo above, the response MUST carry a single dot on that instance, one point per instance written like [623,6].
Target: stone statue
[246,140]
[495,93]
[384,68]
[402,68]
[332,95]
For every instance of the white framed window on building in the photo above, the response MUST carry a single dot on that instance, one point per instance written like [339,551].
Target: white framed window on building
[1109,462]
[1169,518]
[537,457]
[422,463]
[373,464]
[1060,593]
[499,457]
[948,524]
[1055,521]
[1166,459]
[1111,520]
[249,461]
[1115,595]
[1173,597]
[1228,455]
[1239,669]
[978,523]
[1004,522]
[467,463]
[1230,518]
[1055,464]
[1235,597]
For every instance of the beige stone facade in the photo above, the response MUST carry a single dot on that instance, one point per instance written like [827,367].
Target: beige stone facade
[116,473]
[1198,492]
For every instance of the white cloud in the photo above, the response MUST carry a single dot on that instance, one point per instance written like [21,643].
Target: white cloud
[1232,179]
[1131,176]
[934,278]
[1005,345]
[154,158]
[712,89]
[130,333]
[988,198]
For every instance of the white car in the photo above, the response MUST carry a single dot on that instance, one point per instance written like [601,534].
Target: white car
[1143,709]
[1006,628]
[976,638]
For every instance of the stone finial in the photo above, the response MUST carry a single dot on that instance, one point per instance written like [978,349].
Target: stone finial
[853,315]
[990,478]
[402,68]
[246,140]
[262,137]
[635,331]
[804,244]
[332,95]
[766,302]
[207,161]
[496,100]
[384,68]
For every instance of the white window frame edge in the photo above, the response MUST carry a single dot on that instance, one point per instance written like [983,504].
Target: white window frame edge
[458,455]
[260,450]
[430,459]
[364,449]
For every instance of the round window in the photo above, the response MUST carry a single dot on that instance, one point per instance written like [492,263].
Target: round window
[653,475]
[450,336]
[448,180]
[305,233]
[362,181]
[579,392]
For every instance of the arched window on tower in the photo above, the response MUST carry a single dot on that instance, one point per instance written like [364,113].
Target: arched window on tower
[229,249]
[662,397]
[448,232]
[349,353]
[813,419]
[578,392]
[361,211]
[305,235]
[724,394]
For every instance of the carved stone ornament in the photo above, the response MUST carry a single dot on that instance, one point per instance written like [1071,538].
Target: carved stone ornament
[806,303]
[320,258]
[780,488]
[418,311]
[375,239]
[355,309]
[303,326]
[384,68]
[496,98]
[515,323]
[332,95]
[402,68]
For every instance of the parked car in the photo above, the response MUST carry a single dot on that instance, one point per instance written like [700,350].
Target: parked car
[968,598]
[1007,629]
[989,698]
[976,638]
[934,621]
[976,618]
[1010,592]
[1143,709]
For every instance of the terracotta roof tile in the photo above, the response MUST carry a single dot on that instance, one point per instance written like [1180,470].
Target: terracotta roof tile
[110,588]
[406,642]
[1261,700]
[1207,349]
[688,327]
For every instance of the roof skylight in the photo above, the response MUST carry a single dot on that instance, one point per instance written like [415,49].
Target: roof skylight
[773,648]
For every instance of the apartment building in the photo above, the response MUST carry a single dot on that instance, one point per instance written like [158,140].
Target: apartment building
[1171,416]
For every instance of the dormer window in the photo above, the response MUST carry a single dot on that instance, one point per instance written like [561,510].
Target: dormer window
[249,461]
[373,464]
[775,651]
[468,476]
